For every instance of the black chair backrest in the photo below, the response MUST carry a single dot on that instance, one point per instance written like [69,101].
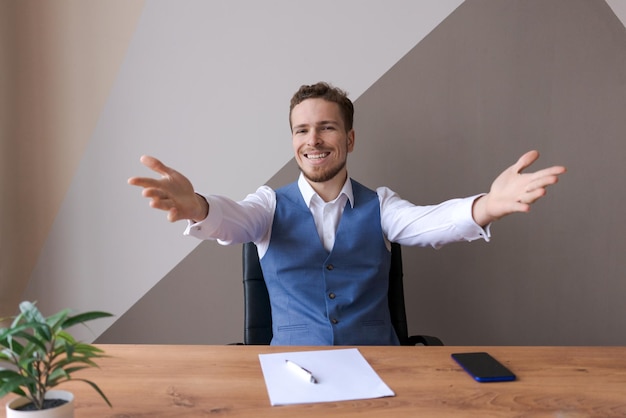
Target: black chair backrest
[258,315]
[395,295]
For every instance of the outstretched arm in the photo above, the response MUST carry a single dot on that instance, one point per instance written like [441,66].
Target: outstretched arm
[514,191]
[173,192]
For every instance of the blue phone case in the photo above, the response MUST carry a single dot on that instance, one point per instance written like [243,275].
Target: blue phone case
[483,367]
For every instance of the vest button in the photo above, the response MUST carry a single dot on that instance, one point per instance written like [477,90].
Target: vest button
[330,267]
[331,295]
[334,321]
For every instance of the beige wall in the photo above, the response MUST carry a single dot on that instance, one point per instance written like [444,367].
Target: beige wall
[59,60]
[6,132]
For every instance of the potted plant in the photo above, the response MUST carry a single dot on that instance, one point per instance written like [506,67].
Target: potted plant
[41,354]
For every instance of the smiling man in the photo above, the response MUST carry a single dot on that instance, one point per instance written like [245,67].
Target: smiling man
[324,240]
[322,139]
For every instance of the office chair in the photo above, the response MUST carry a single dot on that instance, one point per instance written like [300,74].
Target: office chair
[258,316]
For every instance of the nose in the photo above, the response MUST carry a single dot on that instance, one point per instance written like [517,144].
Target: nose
[314,137]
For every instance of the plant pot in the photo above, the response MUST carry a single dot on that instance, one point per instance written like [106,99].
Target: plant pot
[64,411]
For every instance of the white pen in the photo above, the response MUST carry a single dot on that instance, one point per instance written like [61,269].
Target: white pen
[301,371]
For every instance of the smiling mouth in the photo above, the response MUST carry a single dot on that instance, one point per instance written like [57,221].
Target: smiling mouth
[317,156]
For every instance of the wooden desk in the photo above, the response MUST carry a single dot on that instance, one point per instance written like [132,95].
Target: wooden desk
[198,381]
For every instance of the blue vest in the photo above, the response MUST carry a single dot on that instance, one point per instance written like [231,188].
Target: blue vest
[321,298]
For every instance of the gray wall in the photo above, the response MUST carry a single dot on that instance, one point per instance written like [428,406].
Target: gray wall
[439,114]
[494,80]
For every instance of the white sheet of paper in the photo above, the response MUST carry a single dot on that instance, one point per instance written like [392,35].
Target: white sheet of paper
[341,374]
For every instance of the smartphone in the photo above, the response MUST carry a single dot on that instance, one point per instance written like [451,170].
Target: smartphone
[483,368]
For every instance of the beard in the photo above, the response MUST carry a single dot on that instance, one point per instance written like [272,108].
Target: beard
[323,175]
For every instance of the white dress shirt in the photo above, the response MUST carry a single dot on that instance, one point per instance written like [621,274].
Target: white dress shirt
[232,222]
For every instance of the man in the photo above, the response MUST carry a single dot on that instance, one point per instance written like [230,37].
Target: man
[324,240]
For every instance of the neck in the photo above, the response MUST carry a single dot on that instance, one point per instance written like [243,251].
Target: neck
[329,190]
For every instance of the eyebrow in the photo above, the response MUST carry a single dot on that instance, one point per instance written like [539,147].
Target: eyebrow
[328,122]
[322,122]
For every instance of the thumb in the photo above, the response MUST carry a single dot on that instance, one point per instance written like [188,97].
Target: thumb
[155,165]
[526,160]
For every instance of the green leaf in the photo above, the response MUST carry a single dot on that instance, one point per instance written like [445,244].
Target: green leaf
[33,316]
[56,321]
[84,317]
[57,376]
[97,389]
[15,348]
[8,333]
[87,348]
[19,318]
[66,336]
[69,349]
[74,360]
[70,370]
[5,389]
[30,311]
[37,342]
[6,374]
[11,382]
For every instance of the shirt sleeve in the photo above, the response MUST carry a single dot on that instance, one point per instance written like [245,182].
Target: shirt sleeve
[236,222]
[433,225]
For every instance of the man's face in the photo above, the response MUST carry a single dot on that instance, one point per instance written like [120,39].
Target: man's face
[320,141]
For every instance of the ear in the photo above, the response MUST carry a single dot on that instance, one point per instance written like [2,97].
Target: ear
[350,140]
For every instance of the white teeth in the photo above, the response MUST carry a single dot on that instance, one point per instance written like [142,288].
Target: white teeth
[317,156]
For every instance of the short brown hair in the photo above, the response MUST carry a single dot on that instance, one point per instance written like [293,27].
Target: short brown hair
[329,93]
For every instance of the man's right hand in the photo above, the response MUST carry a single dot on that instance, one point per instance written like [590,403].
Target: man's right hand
[173,192]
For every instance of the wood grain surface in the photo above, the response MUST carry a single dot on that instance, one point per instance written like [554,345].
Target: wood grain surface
[199,381]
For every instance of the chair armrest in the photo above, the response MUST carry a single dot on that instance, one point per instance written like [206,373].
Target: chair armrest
[424,340]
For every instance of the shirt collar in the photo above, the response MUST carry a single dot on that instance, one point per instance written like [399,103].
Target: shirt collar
[307,191]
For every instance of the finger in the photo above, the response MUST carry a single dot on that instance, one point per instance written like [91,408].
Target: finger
[172,215]
[154,192]
[519,207]
[533,196]
[548,172]
[163,204]
[144,182]
[542,182]
[526,160]
[155,165]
